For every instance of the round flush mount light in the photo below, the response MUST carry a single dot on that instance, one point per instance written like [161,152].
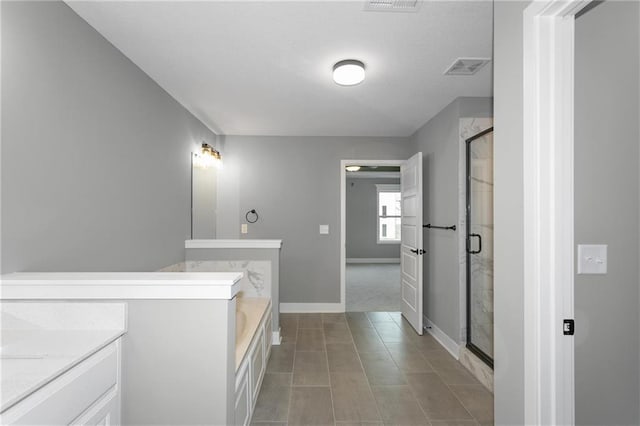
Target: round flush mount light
[348,72]
[352,168]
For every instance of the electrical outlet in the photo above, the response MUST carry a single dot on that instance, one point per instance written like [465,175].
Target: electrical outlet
[244,228]
[592,259]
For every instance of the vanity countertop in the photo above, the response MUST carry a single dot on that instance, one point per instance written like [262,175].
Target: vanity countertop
[39,341]
[32,358]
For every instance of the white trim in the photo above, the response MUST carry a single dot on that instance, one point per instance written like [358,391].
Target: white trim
[447,342]
[373,175]
[373,260]
[120,285]
[548,30]
[276,339]
[286,308]
[239,244]
[343,215]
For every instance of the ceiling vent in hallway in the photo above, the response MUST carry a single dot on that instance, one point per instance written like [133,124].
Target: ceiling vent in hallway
[392,5]
[466,66]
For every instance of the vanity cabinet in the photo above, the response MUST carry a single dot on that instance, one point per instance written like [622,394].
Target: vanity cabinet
[86,394]
[251,371]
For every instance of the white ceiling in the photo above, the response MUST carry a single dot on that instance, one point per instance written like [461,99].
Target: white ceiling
[264,67]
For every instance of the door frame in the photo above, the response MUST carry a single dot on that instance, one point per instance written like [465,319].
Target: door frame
[343,217]
[548,191]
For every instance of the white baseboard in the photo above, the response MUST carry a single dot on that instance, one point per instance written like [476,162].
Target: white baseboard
[276,339]
[373,260]
[447,342]
[311,307]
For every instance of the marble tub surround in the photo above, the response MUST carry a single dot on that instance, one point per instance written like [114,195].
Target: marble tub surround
[249,314]
[41,341]
[256,279]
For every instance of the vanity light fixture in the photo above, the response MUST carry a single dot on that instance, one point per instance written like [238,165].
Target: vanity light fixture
[208,157]
[352,168]
[348,72]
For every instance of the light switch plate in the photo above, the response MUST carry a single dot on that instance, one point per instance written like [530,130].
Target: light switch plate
[592,259]
[244,229]
[324,229]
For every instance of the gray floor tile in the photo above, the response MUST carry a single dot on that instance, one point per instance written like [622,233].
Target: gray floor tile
[311,339]
[359,423]
[477,400]
[337,332]
[398,406]
[310,369]
[281,358]
[288,328]
[380,369]
[457,376]
[454,423]
[309,320]
[368,342]
[435,397]
[334,317]
[273,400]
[311,406]
[352,398]
[343,358]
[268,423]
[427,342]
[390,332]
[376,317]
[408,358]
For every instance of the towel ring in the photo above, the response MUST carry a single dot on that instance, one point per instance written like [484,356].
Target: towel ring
[252,212]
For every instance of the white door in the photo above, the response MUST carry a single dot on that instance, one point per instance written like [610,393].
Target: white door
[411,250]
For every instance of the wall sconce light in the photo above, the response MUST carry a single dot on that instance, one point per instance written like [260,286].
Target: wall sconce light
[207,157]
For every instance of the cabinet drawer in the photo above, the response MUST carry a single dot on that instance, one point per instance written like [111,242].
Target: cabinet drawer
[68,396]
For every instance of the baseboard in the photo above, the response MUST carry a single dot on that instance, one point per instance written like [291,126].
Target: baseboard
[310,307]
[447,342]
[373,260]
[276,339]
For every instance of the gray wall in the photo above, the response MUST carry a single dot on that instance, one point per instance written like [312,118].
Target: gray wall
[606,212]
[95,155]
[294,184]
[508,214]
[439,141]
[362,220]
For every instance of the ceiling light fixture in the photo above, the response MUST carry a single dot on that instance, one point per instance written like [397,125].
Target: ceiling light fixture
[348,72]
[353,168]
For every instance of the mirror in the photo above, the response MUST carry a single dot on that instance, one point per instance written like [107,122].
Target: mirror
[204,176]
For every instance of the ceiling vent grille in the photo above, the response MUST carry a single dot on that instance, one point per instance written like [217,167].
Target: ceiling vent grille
[466,66]
[392,5]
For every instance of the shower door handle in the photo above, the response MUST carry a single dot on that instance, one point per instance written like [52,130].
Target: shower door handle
[469,244]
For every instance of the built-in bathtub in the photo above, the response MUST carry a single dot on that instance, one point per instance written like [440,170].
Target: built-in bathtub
[250,313]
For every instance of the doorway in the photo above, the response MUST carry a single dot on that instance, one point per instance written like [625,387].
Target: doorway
[399,216]
[372,240]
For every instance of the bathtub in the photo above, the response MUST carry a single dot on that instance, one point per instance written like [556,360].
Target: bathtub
[250,312]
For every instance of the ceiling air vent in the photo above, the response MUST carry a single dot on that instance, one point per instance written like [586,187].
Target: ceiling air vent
[466,66]
[392,5]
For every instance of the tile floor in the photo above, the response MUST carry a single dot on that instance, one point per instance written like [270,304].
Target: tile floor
[365,368]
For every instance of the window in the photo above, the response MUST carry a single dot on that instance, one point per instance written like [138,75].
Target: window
[389,215]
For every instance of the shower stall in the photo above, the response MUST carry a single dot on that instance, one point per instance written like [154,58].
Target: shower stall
[479,244]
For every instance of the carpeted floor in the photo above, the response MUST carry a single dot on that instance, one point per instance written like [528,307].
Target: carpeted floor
[373,287]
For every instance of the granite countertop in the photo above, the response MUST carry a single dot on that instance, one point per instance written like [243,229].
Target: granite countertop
[29,359]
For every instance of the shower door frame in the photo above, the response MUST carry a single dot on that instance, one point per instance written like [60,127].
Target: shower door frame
[469,344]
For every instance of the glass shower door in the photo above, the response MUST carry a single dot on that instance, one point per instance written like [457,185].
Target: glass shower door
[480,245]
